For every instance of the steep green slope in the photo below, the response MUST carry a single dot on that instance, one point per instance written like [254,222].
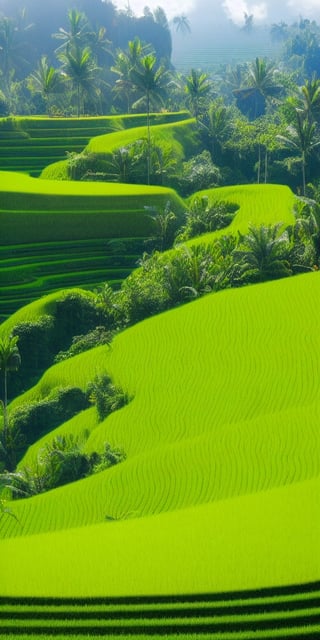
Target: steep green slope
[222,433]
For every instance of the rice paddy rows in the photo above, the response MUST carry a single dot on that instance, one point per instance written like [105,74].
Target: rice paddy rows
[28,271]
[280,613]
[30,144]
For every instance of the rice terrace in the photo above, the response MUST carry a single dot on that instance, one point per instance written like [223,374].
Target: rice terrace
[159,329]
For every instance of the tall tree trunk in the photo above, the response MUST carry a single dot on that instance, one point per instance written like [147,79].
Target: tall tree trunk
[149,140]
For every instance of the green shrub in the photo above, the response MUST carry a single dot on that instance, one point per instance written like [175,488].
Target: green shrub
[59,462]
[34,419]
[106,396]
[198,173]
[96,337]
[204,217]
[36,350]
[75,314]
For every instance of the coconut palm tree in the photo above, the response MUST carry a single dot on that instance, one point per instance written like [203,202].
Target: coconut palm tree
[260,85]
[217,124]
[12,49]
[182,24]
[123,86]
[79,67]
[46,80]
[198,87]
[151,82]
[263,253]
[77,35]
[311,98]
[302,137]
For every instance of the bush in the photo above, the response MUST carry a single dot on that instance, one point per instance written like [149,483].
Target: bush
[36,350]
[198,173]
[99,336]
[106,396]
[204,217]
[59,462]
[34,419]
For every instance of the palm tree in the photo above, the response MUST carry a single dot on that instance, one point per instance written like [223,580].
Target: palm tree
[182,24]
[302,137]
[9,361]
[123,85]
[260,85]
[46,80]
[198,86]
[217,125]
[11,50]
[263,254]
[78,31]
[79,67]
[311,97]
[150,81]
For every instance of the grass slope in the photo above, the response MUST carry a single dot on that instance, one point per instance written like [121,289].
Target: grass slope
[30,144]
[258,204]
[62,234]
[181,137]
[222,434]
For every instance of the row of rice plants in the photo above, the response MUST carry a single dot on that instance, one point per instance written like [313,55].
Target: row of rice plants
[29,271]
[286,634]
[270,610]
[174,624]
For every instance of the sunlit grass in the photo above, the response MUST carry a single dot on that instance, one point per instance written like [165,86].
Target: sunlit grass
[259,204]
[225,414]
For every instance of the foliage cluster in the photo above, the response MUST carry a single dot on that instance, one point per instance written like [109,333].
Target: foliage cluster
[59,462]
[106,396]
[34,419]
[42,338]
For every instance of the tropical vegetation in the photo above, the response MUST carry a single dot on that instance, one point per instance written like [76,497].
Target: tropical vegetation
[159,343]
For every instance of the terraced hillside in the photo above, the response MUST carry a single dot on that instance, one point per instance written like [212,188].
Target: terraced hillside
[61,234]
[220,489]
[58,234]
[30,144]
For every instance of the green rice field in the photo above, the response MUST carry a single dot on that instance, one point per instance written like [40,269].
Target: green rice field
[57,234]
[28,145]
[223,495]
[210,527]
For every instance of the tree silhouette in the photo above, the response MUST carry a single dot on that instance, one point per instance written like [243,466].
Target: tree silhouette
[182,24]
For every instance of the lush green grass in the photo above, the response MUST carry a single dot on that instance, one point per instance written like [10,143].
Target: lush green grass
[181,136]
[30,144]
[222,434]
[27,271]
[258,204]
[62,234]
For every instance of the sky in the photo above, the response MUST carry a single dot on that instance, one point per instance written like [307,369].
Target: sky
[263,10]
